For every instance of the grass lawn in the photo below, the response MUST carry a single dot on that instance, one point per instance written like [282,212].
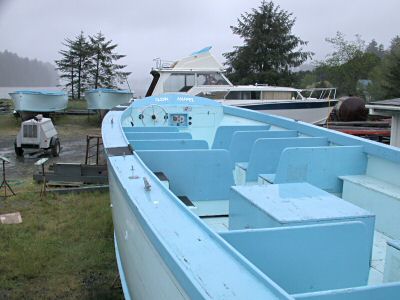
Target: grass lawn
[76,104]
[63,249]
[69,125]
[6,102]
[9,125]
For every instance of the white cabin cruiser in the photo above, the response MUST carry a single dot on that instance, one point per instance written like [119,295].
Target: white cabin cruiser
[200,74]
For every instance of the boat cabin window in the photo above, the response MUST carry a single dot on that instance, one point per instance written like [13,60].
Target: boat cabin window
[211,79]
[277,95]
[212,95]
[243,95]
[179,83]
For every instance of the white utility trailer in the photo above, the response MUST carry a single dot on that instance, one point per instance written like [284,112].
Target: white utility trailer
[37,134]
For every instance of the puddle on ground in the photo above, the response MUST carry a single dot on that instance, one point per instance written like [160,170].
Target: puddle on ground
[72,150]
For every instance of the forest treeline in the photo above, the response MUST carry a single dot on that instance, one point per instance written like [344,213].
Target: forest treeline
[367,70]
[20,71]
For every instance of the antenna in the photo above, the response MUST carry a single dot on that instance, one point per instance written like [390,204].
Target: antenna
[129,87]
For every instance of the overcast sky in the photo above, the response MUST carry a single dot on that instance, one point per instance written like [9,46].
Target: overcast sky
[172,29]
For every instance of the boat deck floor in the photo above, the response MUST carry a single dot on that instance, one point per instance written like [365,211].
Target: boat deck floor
[218,224]
[378,258]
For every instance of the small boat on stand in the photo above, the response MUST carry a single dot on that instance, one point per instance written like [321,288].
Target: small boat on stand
[102,100]
[28,103]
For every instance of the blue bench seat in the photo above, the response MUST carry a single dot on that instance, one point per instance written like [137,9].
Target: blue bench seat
[265,155]
[266,178]
[242,142]
[211,208]
[378,196]
[151,129]
[132,136]
[169,144]
[224,134]
[200,175]
[307,258]
[292,204]
[276,205]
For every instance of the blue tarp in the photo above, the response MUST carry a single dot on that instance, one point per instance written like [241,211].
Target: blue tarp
[40,92]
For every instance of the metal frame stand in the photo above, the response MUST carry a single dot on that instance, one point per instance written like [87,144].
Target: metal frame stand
[41,162]
[4,183]
[89,147]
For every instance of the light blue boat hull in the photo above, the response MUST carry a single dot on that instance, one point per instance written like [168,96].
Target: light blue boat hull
[39,101]
[143,272]
[105,99]
[165,251]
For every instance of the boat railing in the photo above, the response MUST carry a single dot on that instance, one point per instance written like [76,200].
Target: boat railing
[318,93]
[163,64]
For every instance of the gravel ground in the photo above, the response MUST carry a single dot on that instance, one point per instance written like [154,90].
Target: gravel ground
[72,131]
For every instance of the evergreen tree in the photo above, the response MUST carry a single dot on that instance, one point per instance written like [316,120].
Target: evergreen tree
[376,49]
[270,50]
[90,63]
[74,63]
[392,76]
[67,66]
[81,51]
[395,44]
[349,63]
[104,71]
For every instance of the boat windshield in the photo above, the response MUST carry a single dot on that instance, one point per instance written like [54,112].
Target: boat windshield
[179,83]
[211,79]
[218,95]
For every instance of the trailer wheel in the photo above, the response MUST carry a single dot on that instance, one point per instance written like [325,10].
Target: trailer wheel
[55,147]
[18,150]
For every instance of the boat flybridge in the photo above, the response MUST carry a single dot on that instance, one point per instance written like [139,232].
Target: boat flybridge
[218,202]
[200,74]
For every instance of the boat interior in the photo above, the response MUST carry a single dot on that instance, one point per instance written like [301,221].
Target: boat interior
[315,211]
